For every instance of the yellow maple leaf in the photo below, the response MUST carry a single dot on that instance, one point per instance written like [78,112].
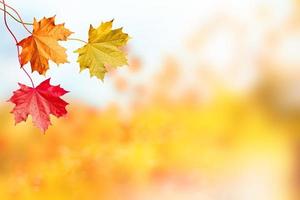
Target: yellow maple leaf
[43,46]
[103,49]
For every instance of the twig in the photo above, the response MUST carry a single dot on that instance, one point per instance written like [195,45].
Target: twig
[19,16]
[76,39]
[14,37]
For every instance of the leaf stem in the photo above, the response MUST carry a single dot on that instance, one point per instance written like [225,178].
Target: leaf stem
[20,20]
[76,39]
[15,39]
[27,74]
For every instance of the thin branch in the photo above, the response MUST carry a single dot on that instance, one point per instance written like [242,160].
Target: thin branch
[17,20]
[27,74]
[16,41]
[19,16]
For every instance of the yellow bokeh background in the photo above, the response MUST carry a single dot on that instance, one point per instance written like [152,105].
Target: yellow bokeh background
[200,128]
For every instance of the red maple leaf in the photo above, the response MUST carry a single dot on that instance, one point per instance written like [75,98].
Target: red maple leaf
[39,102]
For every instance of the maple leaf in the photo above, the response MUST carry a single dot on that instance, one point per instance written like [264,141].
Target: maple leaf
[103,49]
[43,46]
[38,102]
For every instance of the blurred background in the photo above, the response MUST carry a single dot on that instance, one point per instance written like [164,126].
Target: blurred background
[208,108]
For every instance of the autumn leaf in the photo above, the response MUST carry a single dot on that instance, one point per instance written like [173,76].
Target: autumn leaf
[43,46]
[38,102]
[103,49]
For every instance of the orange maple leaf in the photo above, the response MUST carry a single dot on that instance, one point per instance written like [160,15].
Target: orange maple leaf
[43,46]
